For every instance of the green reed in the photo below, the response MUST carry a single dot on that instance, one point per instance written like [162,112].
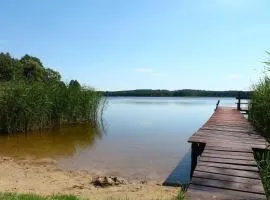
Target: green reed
[34,97]
[260,103]
[259,115]
[260,106]
[26,107]
[263,160]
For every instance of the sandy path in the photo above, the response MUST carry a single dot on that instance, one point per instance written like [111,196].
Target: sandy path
[43,177]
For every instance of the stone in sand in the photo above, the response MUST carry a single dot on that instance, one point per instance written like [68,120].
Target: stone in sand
[108,181]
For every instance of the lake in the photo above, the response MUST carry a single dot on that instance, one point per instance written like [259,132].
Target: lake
[141,137]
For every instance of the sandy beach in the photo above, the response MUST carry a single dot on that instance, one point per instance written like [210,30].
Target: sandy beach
[42,176]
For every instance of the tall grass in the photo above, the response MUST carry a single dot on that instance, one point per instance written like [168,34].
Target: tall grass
[259,115]
[25,106]
[263,160]
[260,106]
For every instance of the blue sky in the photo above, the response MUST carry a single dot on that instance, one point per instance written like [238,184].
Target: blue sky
[129,44]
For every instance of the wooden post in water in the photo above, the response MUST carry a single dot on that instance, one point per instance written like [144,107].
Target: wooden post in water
[239,101]
[239,104]
[217,104]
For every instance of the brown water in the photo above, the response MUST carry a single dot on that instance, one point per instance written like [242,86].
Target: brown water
[57,143]
[141,138]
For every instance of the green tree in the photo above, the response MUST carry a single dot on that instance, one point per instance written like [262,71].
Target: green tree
[6,67]
[52,75]
[33,69]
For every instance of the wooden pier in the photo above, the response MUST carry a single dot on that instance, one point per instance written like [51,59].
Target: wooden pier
[226,168]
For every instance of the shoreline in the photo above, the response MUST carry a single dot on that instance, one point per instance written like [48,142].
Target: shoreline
[44,177]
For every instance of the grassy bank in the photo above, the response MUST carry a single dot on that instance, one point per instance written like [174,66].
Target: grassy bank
[260,117]
[34,97]
[15,196]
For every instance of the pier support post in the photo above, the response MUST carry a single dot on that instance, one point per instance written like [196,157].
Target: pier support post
[196,150]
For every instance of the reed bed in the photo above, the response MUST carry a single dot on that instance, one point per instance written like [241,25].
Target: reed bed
[25,107]
[263,160]
[260,106]
[34,97]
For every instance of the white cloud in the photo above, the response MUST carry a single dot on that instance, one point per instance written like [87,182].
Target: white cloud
[144,70]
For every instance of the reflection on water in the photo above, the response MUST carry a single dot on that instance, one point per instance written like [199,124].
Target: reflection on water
[146,137]
[64,142]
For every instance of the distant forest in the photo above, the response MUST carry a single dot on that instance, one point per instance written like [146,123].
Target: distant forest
[178,93]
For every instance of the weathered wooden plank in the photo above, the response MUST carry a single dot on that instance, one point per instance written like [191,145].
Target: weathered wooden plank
[228,166]
[248,127]
[228,161]
[233,126]
[233,153]
[222,122]
[232,149]
[231,134]
[199,192]
[232,172]
[244,187]
[230,137]
[229,128]
[236,179]
[225,139]
[227,142]
[228,156]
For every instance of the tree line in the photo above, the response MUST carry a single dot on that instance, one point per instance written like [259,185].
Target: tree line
[178,93]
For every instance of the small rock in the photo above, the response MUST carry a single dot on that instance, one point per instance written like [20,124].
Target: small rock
[108,181]
[143,181]
[119,181]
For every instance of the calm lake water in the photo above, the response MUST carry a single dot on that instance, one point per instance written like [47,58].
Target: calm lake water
[141,137]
